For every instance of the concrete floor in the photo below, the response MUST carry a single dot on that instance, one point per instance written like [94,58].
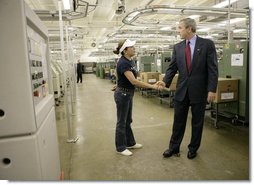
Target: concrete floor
[223,155]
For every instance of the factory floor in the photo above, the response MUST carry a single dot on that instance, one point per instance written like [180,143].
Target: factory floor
[223,155]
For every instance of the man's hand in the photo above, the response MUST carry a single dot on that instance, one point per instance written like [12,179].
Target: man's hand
[211,97]
[160,85]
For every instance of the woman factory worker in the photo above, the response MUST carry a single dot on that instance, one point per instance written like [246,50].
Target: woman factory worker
[126,81]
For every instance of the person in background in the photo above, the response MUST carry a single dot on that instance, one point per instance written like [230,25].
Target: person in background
[79,72]
[195,60]
[126,81]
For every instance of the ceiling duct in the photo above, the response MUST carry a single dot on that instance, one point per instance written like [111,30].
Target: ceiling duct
[81,8]
[132,17]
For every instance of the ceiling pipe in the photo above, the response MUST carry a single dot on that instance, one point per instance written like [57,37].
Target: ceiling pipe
[131,17]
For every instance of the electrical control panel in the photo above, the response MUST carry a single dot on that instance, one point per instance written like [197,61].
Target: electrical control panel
[37,49]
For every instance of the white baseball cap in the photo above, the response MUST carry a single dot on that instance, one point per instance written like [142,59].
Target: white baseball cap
[127,43]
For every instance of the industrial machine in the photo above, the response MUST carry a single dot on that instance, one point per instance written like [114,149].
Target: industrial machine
[60,71]
[147,64]
[28,135]
[163,61]
[235,64]
[56,84]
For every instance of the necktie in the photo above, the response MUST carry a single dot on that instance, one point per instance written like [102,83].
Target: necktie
[188,56]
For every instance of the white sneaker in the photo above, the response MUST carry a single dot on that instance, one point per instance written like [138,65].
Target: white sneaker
[136,146]
[126,152]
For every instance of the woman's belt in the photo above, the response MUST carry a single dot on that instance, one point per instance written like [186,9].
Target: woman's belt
[125,89]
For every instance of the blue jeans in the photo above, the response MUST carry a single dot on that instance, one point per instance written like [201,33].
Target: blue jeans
[124,135]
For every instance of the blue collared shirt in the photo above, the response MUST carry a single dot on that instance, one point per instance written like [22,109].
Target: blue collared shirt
[192,45]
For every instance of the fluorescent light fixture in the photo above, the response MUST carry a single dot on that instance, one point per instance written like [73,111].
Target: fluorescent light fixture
[203,30]
[232,21]
[224,4]
[222,23]
[66,4]
[208,37]
[71,28]
[239,30]
[214,34]
[144,46]
[165,28]
[194,16]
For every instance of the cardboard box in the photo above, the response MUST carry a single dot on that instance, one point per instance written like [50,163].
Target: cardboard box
[227,90]
[174,82]
[149,77]
[107,70]
[112,72]
[161,76]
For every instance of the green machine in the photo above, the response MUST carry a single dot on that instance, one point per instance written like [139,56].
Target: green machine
[235,64]
[100,67]
[147,64]
[165,61]
[98,70]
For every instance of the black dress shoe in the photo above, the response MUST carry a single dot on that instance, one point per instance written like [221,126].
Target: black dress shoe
[191,155]
[170,152]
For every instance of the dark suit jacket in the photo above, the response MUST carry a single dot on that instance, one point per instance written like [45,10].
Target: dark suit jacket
[203,75]
[79,68]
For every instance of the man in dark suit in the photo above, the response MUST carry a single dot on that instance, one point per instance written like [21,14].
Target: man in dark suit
[195,61]
[79,72]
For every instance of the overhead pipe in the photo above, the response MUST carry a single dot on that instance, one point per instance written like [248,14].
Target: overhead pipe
[130,18]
